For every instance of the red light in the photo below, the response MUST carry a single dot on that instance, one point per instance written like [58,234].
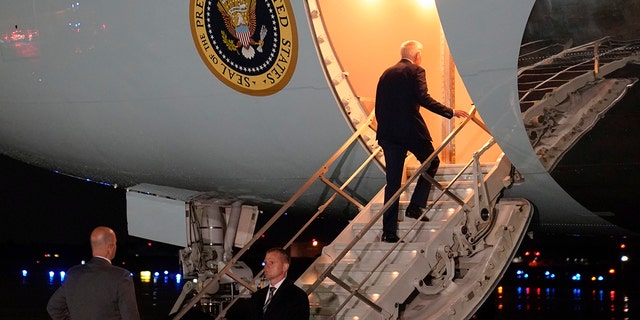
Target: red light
[314,242]
[262,236]
[623,246]
[537,253]
[149,244]
[526,253]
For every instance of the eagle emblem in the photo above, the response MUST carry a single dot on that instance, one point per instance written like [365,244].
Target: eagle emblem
[240,20]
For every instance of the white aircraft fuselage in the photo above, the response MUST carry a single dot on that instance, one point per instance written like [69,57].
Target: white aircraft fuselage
[152,93]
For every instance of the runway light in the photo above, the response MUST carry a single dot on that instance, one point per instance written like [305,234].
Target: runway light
[612,271]
[624,258]
[145,276]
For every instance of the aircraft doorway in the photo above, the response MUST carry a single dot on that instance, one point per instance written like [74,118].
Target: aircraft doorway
[358,40]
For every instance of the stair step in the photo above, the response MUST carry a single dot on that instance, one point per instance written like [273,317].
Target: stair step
[418,234]
[354,273]
[333,295]
[360,311]
[452,168]
[441,211]
[374,251]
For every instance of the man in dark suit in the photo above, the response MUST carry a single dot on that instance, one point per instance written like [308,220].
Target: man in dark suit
[96,290]
[401,90]
[282,299]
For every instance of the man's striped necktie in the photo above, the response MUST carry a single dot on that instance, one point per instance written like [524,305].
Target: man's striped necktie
[269,296]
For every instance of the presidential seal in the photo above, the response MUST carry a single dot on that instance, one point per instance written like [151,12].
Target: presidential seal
[250,45]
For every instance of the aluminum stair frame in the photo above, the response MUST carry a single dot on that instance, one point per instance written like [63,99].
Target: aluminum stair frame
[431,254]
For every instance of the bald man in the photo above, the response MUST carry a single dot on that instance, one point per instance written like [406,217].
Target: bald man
[96,290]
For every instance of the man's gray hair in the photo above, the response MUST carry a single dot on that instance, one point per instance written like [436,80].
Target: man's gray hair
[409,48]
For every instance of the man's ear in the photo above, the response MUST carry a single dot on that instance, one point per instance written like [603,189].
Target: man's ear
[285,267]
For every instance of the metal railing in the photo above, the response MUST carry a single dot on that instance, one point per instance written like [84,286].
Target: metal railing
[354,291]
[318,175]
[338,191]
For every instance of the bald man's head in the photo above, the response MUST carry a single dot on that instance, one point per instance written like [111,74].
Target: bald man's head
[103,242]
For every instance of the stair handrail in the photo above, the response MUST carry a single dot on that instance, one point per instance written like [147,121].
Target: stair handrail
[318,175]
[354,291]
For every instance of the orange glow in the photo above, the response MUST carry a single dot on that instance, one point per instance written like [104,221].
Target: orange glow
[428,4]
[314,242]
[500,290]
[612,271]
[381,27]
[623,246]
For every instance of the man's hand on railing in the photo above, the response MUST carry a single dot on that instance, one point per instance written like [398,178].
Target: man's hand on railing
[460,113]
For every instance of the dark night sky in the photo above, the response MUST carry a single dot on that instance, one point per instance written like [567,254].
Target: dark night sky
[42,207]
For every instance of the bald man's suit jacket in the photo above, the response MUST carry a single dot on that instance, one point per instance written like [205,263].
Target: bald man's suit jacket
[95,290]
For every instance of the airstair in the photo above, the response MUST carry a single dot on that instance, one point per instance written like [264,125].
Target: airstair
[441,269]
[444,268]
